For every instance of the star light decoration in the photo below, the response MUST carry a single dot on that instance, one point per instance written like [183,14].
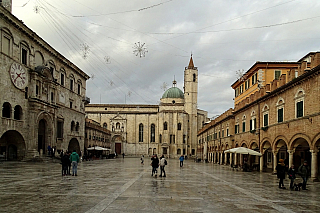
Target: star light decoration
[164,86]
[139,49]
[85,50]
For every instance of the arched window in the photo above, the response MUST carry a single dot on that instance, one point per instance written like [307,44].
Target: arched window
[6,110]
[179,126]
[299,103]
[118,125]
[140,132]
[73,125]
[17,112]
[194,77]
[165,126]
[77,127]
[105,125]
[38,59]
[153,130]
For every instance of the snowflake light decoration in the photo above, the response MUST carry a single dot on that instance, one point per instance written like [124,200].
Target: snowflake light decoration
[107,59]
[240,75]
[36,9]
[139,49]
[85,50]
[111,83]
[164,86]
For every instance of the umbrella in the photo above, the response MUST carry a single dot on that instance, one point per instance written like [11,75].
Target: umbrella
[98,148]
[243,150]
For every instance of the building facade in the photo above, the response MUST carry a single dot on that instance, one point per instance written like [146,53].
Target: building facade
[96,135]
[280,120]
[169,128]
[42,94]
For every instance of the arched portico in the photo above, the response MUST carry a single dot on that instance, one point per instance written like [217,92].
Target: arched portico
[74,145]
[44,133]
[266,160]
[12,145]
[280,151]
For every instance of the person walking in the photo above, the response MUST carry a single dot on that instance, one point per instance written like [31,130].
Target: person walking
[142,160]
[181,160]
[163,163]
[49,150]
[292,176]
[69,164]
[123,155]
[65,162]
[154,164]
[281,173]
[304,172]
[74,159]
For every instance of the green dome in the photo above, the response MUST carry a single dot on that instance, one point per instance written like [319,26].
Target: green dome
[173,92]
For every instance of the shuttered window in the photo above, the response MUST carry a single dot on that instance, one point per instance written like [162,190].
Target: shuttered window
[300,109]
[280,115]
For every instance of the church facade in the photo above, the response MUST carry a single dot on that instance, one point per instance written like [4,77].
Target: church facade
[169,128]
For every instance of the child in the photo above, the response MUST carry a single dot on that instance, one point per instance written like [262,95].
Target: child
[292,176]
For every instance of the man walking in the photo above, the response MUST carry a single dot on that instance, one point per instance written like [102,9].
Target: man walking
[163,163]
[155,165]
[304,172]
[74,159]
[181,160]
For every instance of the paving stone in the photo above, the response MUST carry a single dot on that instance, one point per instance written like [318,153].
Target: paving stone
[124,185]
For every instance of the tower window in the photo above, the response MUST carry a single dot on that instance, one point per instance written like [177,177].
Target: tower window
[194,77]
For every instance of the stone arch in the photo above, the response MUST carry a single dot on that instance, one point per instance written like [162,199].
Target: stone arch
[45,137]
[74,145]
[17,112]
[314,142]
[12,145]
[300,92]
[251,144]
[244,144]
[297,136]
[278,138]
[38,59]
[265,108]
[280,101]
[6,110]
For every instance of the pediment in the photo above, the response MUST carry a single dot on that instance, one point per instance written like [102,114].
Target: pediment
[118,117]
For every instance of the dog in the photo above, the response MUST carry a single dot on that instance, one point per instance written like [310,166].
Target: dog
[297,187]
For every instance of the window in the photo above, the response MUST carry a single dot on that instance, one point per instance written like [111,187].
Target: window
[153,130]
[73,125]
[296,73]
[241,88]
[277,74]
[38,59]
[184,138]
[227,132]
[6,110]
[62,79]
[71,84]
[60,129]
[17,112]
[266,119]
[223,133]
[79,89]
[299,109]
[299,103]
[194,77]
[178,151]
[236,129]
[52,97]
[253,80]
[253,123]
[243,126]
[77,127]
[24,56]
[165,126]
[280,115]
[247,84]
[179,126]
[70,104]
[105,125]
[117,125]
[160,138]
[140,132]
[219,135]
[37,90]
[6,45]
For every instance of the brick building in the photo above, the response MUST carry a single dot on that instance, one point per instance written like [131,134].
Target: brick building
[96,135]
[280,120]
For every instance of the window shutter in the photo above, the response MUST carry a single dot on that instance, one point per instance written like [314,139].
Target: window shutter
[280,115]
[300,109]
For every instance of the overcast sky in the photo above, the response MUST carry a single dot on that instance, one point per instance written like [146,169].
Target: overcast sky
[223,35]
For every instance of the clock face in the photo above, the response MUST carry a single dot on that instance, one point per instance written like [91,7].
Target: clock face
[18,75]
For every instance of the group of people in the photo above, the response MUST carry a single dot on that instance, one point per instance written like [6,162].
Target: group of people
[51,150]
[69,160]
[155,163]
[303,171]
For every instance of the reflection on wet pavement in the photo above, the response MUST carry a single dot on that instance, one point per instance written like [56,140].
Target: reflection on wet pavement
[124,185]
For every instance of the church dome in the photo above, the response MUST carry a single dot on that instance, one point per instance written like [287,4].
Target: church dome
[173,92]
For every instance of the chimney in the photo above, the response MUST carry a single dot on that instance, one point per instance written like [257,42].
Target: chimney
[282,80]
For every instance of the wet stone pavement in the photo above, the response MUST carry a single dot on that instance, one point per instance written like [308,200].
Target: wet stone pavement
[124,185]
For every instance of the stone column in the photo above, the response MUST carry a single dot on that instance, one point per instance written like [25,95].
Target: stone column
[261,162]
[290,157]
[225,158]
[275,161]
[314,164]
[235,159]
[214,157]
[220,161]
[230,158]
[241,160]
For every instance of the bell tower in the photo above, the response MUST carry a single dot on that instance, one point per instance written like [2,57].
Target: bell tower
[190,105]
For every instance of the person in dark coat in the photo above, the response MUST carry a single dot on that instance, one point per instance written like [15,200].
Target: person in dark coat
[292,176]
[154,164]
[304,172]
[65,162]
[281,173]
